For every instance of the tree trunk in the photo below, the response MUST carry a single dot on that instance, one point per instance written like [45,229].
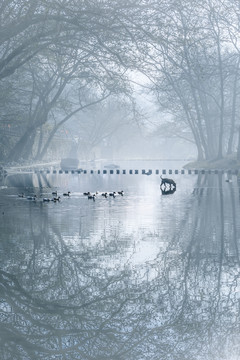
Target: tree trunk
[238,147]
[40,140]
[222,102]
[233,116]
[28,149]
[42,153]
[17,152]
[208,123]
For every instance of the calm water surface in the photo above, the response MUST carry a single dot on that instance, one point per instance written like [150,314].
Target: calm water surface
[139,276]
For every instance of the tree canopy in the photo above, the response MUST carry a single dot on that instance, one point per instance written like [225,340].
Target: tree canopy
[59,57]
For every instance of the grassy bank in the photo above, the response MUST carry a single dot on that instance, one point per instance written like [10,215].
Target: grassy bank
[227,163]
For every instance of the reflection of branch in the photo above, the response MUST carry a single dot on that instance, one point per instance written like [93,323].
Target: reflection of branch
[234,216]
[81,303]
[221,239]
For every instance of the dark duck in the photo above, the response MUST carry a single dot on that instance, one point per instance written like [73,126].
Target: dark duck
[67,194]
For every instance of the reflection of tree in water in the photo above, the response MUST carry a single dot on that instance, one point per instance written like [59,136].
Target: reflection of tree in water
[72,303]
[28,180]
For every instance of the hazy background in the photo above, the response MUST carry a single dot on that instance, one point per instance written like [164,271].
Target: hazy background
[110,79]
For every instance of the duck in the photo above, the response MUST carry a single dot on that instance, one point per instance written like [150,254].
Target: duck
[54,193]
[87,193]
[113,194]
[67,194]
[55,199]
[121,192]
[21,195]
[46,199]
[229,180]
[92,197]
[32,197]
[105,194]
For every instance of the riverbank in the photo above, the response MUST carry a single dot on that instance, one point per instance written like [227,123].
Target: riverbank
[227,163]
[14,168]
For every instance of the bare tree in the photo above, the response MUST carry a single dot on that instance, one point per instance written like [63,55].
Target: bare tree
[91,43]
[192,67]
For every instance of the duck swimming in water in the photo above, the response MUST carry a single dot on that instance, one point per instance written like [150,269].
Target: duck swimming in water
[93,197]
[67,194]
[54,193]
[55,199]
[21,195]
[32,197]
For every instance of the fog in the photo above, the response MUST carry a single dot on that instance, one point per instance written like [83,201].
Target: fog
[108,77]
[119,179]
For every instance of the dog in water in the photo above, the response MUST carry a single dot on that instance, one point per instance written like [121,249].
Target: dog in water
[166,181]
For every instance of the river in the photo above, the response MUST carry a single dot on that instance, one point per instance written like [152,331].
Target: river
[133,277]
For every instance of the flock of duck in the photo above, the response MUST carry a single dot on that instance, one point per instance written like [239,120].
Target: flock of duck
[93,196]
[56,197]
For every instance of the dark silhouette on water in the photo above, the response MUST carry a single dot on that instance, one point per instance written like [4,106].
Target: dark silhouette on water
[168,192]
[166,181]
[67,194]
